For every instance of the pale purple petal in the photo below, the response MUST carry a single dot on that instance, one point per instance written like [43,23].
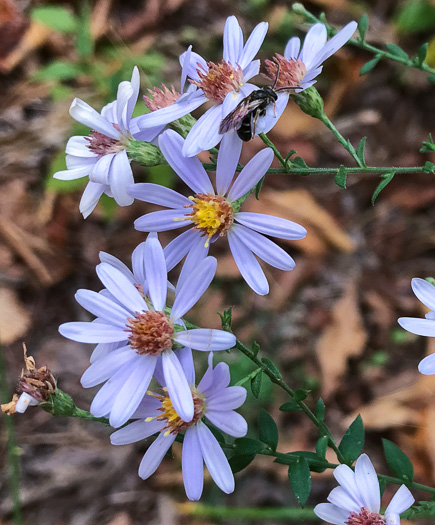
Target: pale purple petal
[228,421]
[83,332]
[292,48]
[314,41]
[215,459]
[164,220]
[177,385]
[424,291]
[103,349]
[204,134]
[193,62]
[116,263]
[312,74]
[178,248]
[73,174]
[233,41]
[107,366]
[190,170]
[79,146]
[346,477]
[206,339]
[109,112]
[90,198]
[164,116]
[270,225]
[184,68]
[185,357]
[228,158]
[125,93]
[155,266]
[25,400]
[251,174]
[156,194]
[103,307]
[427,365]
[335,43]
[85,114]
[248,265]
[253,44]
[401,501]
[207,379]
[136,431]
[263,247]
[192,465]
[120,178]
[331,513]
[72,161]
[250,71]
[133,391]
[101,169]
[121,287]
[229,398]
[343,499]
[305,85]
[135,84]
[148,407]
[197,253]
[273,114]
[154,455]
[194,287]
[367,482]
[418,326]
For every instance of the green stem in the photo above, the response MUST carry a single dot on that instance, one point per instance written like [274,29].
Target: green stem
[345,143]
[198,510]
[270,144]
[11,445]
[300,9]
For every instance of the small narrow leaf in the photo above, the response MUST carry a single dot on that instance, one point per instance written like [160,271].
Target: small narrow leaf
[321,446]
[368,66]
[258,188]
[238,463]
[352,443]
[300,479]
[386,179]
[429,167]
[255,348]
[271,367]
[267,430]
[247,446]
[290,406]
[320,410]
[396,51]
[360,151]
[256,385]
[341,177]
[421,54]
[398,461]
[298,162]
[300,395]
[363,25]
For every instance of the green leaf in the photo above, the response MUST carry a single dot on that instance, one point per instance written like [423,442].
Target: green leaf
[267,430]
[238,463]
[368,66]
[428,146]
[226,319]
[386,179]
[300,479]
[290,406]
[341,177]
[247,446]
[421,54]
[300,395]
[58,70]
[271,367]
[431,79]
[396,51]
[321,446]
[425,509]
[320,410]
[58,18]
[299,162]
[360,151]
[352,443]
[429,167]
[398,461]
[256,385]
[363,25]
[258,188]
[315,463]
[255,348]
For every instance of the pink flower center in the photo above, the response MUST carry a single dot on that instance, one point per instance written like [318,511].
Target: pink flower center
[102,145]
[365,517]
[151,333]
[219,80]
[161,98]
[291,72]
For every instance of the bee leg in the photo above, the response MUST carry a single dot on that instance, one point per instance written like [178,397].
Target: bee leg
[254,118]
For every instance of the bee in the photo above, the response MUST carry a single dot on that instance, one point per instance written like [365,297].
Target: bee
[245,116]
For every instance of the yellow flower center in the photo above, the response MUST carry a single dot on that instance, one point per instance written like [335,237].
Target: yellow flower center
[173,422]
[212,214]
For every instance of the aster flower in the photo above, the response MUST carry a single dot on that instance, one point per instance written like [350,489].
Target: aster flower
[215,214]
[425,292]
[148,335]
[102,156]
[212,398]
[357,501]
[299,67]
[224,85]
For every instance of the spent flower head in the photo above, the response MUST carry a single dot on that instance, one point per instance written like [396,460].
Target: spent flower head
[212,399]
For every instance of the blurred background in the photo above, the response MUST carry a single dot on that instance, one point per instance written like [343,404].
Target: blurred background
[331,323]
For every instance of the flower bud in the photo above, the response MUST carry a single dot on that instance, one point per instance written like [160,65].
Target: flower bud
[145,153]
[310,102]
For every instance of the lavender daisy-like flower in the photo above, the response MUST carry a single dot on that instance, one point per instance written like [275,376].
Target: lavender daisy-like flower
[214,214]
[148,333]
[102,156]
[425,292]
[357,501]
[212,398]
[223,84]
[299,67]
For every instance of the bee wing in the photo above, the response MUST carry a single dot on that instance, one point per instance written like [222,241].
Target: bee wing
[234,119]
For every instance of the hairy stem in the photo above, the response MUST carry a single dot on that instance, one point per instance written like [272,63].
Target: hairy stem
[345,143]
[270,144]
